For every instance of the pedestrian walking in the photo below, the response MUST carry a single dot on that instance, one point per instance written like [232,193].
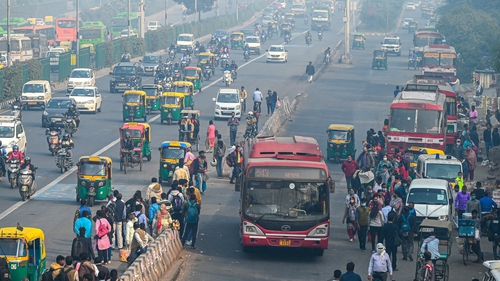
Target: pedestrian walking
[352,221]
[457,150]
[348,168]
[257,100]
[85,268]
[393,237]
[236,160]
[129,230]
[362,213]
[177,199]
[200,170]
[496,137]
[268,102]
[192,215]
[69,269]
[211,134]
[461,201]
[376,222]
[153,210]
[154,190]
[244,96]
[109,218]
[336,275]
[102,229]
[119,217]
[476,247]
[310,72]
[233,124]
[274,101]
[471,158]
[488,141]
[83,222]
[365,159]
[408,227]
[350,275]
[473,204]
[219,153]
[380,265]
[473,115]
[397,91]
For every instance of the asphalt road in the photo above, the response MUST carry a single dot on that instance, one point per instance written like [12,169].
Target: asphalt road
[353,94]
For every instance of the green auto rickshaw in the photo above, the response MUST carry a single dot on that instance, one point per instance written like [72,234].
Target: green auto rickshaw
[340,142]
[23,253]
[171,156]
[359,41]
[171,107]
[186,88]
[94,179]
[285,28]
[193,75]
[379,59]
[153,97]
[237,40]
[134,105]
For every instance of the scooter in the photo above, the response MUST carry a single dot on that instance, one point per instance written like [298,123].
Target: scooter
[13,171]
[27,186]
[320,35]
[69,125]
[327,59]
[207,72]
[171,54]
[16,112]
[287,38]
[53,141]
[177,75]
[263,38]
[308,41]
[246,55]
[63,160]
[226,78]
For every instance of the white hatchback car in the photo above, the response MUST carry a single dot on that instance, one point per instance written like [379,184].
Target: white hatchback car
[277,53]
[87,99]
[227,102]
[410,6]
[80,77]
[12,133]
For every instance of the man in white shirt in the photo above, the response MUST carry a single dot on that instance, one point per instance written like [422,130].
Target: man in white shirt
[431,244]
[386,210]
[257,99]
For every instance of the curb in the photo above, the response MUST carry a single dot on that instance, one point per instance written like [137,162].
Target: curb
[174,271]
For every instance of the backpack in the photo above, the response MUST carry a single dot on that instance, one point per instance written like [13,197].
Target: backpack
[392,214]
[352,213]
[405,225]
[192,215]
[103,229]
[63,275]
[47,275]
[77,248]
[177,204]
[228,161]
[112,210]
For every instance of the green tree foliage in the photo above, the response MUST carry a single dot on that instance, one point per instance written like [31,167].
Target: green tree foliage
[492,7]
[203,5]
[473,34]
[380,15]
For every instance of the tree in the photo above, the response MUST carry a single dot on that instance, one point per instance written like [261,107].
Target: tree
[203,5]
[474,34]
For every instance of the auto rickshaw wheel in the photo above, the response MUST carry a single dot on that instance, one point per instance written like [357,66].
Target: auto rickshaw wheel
[140,163]
[91,201]
[149,157]
[24,195]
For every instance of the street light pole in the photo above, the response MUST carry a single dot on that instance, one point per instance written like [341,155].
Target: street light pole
[346,58]
[237,11]
[128,19]
[195,9]
[8,34]
[166,16]
[77,33]
[142,9]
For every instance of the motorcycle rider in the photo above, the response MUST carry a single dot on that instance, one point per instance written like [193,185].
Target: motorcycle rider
[185,58]
[67,143]
[17,103]
[202,49]
[246,51]
[160,76]
[225,50]
[16,154]
[308,36]
[28,166]
[263,35]
[125,57]
[320,33]
[228,68]
[251,124]
[74,114]
[172,47]
[234,68]
[287,35]
[328,52]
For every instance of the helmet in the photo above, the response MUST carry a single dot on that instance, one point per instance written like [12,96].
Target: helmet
[27,159]
[15,148]
[72,106]
[66,136]
[233,62]
[213,163]
[250,113]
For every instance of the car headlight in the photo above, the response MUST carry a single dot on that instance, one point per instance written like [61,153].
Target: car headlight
[217,106]
[443,218]
[250,228]
[40,98]
[319,231]
[126,107]
[89,101]
[45,113]
[112,78]
[237,107]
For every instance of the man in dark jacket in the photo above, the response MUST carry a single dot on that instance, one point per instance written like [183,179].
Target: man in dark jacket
[236,159]
[200,169]
[458,150]
[390,230]
[274,100]
[408,227]
[474,136]
[82,245]
[310,71]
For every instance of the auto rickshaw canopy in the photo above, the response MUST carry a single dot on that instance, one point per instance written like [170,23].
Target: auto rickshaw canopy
[236,36]
[339,132]
[359,36]
[192,72]
[379,54]
[172,99]
[136,130]
[134,96]
[204,58]
[181,144]
[152,90]
[185,87]
[26,233]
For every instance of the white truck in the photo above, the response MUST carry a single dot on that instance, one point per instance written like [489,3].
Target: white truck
[299,8]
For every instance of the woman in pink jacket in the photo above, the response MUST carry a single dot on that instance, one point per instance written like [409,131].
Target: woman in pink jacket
[102,229]
[211,136]
[470,156]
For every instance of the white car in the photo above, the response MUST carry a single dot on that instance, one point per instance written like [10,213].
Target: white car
[153,25]
[127,33]
[80,77]
[227,102]
[12,133]
[283,3]
[411,6]
[253,43]
[87,99]
[266,20]
[277,53]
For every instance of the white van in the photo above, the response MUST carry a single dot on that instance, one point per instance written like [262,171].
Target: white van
[227,102]
[433,199]
[185,42]
[493,270]
[36,93]
[443,167]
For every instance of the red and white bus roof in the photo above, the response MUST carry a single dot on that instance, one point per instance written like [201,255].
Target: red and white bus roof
[422,83]
[419,100]
[445,49]
[290,148]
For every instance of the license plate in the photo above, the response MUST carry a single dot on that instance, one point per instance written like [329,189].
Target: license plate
[32,102]
[285,242]
[426,229]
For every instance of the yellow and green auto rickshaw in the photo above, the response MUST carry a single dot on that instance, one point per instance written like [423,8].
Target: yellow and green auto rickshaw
[186,88]
[193,75]
[285,28]
[206,59]
[134,105]
[171,156]
[171,106]
[340,142]
[23,253]
[359,41]
[141,135]
[379,59]
[237,40]
[153,96]
[94,178]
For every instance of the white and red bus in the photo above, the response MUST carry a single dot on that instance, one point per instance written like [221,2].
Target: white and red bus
[426,83]
[285,200]
[417,118]
[439,60]
[424,38]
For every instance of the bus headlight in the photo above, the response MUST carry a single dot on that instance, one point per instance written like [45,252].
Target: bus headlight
[250,228]
[319,231]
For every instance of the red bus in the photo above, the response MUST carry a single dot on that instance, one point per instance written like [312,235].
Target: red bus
[417,118]
[424,38]
[421,82]
[65,29]
[439,60]
[285,198]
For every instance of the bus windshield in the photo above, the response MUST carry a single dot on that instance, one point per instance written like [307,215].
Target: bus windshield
[66,23]
[119,22]
[442,171]
[90,33]
[13,247]
[286,200]
[415,121]
[428,196]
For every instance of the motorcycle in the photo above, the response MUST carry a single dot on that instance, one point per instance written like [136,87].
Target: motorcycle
[223,62]
[63,160]
[246,55]
[171,54]
[183,64]
[327,59]
[216,60]
[250,132]
[320,35]
[263,38]
[308,40]
[306,21]
[207,72]
[125,58]
[13,171]
[227,78]
[27,186]
[168,84]
[287,38]
[69,125]
[177,75]
[53,141]
[16,112]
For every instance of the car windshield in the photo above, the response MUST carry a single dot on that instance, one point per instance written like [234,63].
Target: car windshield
[428,196]
[252,40]
[59,104]
[442,171]
[185,38]
[152,23]
[247,32]
[276,49]
[13,247]
[6,131]
[285,200]
[408,20]
[132,98]
[82,93]
[124,70]
[405,120]
[172,153]
[339,135]
[228,98]
[33,88]
[80,74]
[150,59]
[94,169]
[391,41]
[150,91]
